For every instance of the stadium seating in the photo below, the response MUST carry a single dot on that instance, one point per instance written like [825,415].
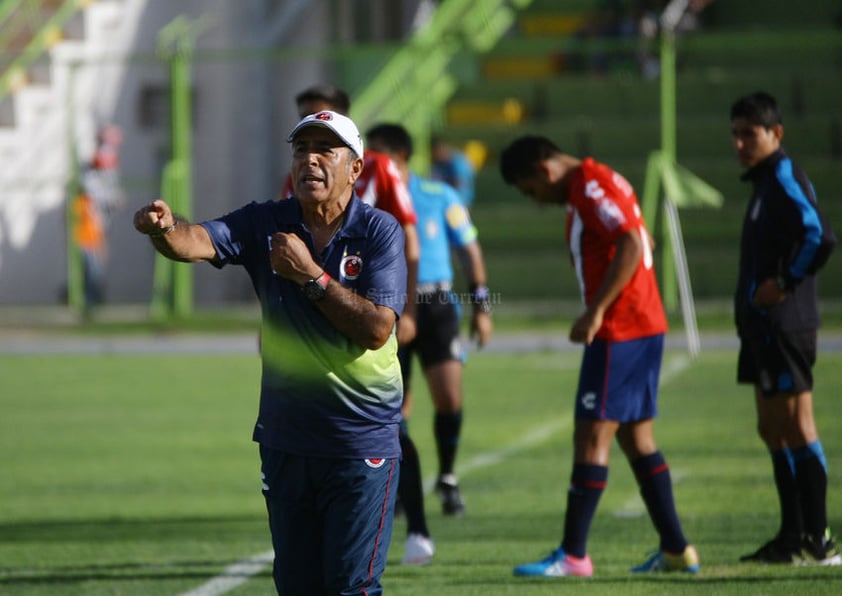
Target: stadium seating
[590,96]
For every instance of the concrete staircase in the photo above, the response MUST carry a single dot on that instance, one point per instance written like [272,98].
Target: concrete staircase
[52,109]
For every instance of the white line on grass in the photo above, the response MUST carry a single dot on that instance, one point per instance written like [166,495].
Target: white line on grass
[234,575]
[239,573]
[534,437]
[539,435]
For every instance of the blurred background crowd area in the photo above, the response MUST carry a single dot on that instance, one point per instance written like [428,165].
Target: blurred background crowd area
[202,93]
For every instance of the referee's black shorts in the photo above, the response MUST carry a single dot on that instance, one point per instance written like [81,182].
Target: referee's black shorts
[781,362]
[437,339]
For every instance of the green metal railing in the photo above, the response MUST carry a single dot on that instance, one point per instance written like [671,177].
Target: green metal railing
[412,88]
[172,293]
[35,25]
[681,188]
[414,85]
[28,28]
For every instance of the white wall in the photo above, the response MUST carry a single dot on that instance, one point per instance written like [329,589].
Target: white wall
[243,110]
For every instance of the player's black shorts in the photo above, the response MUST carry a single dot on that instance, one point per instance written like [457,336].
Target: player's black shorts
[779,363]
[438,332]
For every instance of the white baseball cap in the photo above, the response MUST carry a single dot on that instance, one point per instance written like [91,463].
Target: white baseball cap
[342,126]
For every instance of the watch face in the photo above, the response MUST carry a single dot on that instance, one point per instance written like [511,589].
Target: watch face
[313,290]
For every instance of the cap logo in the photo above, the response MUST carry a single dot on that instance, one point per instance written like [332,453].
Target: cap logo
[340,125]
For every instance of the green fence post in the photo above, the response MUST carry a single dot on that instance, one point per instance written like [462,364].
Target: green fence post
[75,267]
[173,282]
[182,163]
[668,158]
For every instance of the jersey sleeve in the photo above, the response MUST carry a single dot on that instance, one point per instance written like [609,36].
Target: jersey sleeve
[802,226]
[608,203]
[386,271]
[460,229]
[229,235]
[392,194]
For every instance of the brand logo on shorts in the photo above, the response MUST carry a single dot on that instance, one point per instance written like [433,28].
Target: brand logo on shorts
[589,401]
[766,381]
[375,462]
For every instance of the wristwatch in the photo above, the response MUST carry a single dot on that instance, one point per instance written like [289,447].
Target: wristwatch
[315,289]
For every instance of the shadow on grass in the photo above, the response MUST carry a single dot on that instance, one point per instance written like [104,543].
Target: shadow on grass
[115,535]
[119,528]
[177,570]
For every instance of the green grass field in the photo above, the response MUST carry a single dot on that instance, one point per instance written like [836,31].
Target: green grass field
[135,475]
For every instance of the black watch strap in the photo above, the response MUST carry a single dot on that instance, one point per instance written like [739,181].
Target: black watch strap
[316,289]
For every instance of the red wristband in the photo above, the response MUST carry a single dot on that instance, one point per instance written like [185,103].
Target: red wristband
[323,279]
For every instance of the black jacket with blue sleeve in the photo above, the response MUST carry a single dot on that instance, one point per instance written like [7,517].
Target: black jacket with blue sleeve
[781,238]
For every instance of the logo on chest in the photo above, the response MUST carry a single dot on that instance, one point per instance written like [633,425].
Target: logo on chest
[755,210]
[351,267]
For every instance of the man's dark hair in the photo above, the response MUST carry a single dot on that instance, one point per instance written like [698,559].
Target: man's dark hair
[518,160]
[331,94]
[760,108]
[394,136]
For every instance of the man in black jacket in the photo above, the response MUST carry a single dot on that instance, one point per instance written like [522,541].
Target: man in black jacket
[784,241]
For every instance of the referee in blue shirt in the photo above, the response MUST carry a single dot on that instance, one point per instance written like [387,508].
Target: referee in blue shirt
[444,225]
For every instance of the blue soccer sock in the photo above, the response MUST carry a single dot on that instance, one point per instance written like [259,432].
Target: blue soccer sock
[653,477]
[587,483]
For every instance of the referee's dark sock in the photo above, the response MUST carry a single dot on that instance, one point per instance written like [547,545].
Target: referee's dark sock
[410,489]
[653,477]
[587,482]
[811,478]
[447,428]
[783,467]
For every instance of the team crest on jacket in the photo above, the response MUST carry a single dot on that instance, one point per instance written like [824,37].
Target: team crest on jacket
[351,266]
[375,462]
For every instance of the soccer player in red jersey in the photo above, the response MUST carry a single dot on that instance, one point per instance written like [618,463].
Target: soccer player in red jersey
[622,329]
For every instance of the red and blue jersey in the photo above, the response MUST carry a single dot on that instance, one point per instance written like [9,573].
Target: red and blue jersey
[380,185]
[601,207]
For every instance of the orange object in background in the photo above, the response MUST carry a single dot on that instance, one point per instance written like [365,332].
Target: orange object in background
[88,229]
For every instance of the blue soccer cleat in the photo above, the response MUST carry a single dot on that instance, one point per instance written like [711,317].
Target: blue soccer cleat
[557,564]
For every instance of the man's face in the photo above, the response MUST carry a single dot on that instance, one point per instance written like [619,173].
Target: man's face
[323,167]
[754,142]
[538,187]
